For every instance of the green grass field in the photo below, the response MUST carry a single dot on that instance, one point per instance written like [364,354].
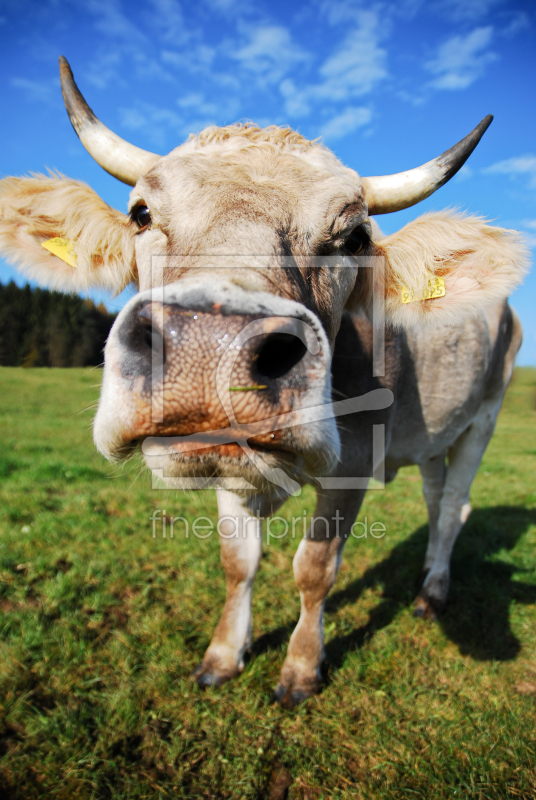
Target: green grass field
[101,626]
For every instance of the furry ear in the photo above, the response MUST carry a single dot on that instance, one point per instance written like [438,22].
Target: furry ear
[479,264]
[36,209]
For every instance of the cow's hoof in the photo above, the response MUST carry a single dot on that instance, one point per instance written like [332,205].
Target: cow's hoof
[426,607]
[290,696]
[205,677]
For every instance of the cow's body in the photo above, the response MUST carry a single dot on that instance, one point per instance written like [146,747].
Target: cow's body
[266,373]
[448,386]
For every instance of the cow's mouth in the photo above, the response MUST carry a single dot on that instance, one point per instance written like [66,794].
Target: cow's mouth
[254,461]
[234,450]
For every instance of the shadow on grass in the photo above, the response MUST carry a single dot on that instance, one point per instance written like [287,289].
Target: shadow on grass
[482,588]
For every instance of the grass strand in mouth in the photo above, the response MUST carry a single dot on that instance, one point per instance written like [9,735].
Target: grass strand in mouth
[246,388]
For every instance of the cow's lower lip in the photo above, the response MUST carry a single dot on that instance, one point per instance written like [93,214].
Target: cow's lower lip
[227,450]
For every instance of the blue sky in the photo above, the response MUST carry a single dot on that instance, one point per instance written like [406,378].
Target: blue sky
[388,85]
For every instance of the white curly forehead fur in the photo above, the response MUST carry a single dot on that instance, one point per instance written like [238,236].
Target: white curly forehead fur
[274,139]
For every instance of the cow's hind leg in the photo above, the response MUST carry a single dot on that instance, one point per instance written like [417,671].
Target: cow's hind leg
[464,460]
[315,567]
[241,549]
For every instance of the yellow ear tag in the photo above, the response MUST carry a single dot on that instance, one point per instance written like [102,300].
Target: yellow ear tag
[435,288]
[62,248]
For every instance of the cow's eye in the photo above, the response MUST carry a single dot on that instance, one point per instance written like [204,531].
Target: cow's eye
[357,241]
[142,216]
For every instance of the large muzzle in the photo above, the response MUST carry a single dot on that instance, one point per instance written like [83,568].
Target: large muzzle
[195,370]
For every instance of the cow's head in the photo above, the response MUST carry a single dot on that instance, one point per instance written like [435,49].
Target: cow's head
[242,242]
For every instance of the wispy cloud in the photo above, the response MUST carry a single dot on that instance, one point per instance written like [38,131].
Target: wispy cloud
[354,69]
[464,174]
[162,126]
[167,128]
[110,20]
[530,237]
[462,59]
[146,115]
[38,91]
[232,8]
[359,63]
[520,21]
[198,58]
[105,69]
[170,21]
[195,102]
[348,121]
[520,165]
[269,52]
[464,10]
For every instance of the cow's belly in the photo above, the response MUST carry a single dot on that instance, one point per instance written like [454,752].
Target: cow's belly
[438,402]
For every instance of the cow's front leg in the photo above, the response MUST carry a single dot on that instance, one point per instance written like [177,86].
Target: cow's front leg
[241,548]
[315,567]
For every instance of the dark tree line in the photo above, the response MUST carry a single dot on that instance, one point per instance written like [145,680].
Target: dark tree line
[39,328]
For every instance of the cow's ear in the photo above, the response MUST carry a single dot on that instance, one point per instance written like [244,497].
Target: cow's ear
[459,263]
[97,239]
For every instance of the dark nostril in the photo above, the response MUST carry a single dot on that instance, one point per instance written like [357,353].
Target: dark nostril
[278,355]
[153,338]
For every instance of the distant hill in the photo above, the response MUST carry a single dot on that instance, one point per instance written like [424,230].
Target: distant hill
[39,328]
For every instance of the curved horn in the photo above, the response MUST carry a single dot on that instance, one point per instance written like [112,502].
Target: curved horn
[385,193]
[122,160]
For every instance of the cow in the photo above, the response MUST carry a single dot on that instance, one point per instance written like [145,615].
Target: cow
[254,357]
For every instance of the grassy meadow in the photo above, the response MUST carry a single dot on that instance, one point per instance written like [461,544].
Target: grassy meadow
[101,625]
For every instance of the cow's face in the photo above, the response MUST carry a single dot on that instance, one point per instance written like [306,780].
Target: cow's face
[243,256]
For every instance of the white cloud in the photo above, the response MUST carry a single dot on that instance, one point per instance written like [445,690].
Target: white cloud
[462,59]
[110,20]
[197,58]
[530,238]
[196,101]
[169,20]
[338,11]
[37,91]
[270,52]
[350,120]
[105,69]
[520,21]
[167,128]
[356,67]
[462,10]
[147,114]
[160,125]
[231,7]
[359,64]
[464,173]
[296,100]
[520,165]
